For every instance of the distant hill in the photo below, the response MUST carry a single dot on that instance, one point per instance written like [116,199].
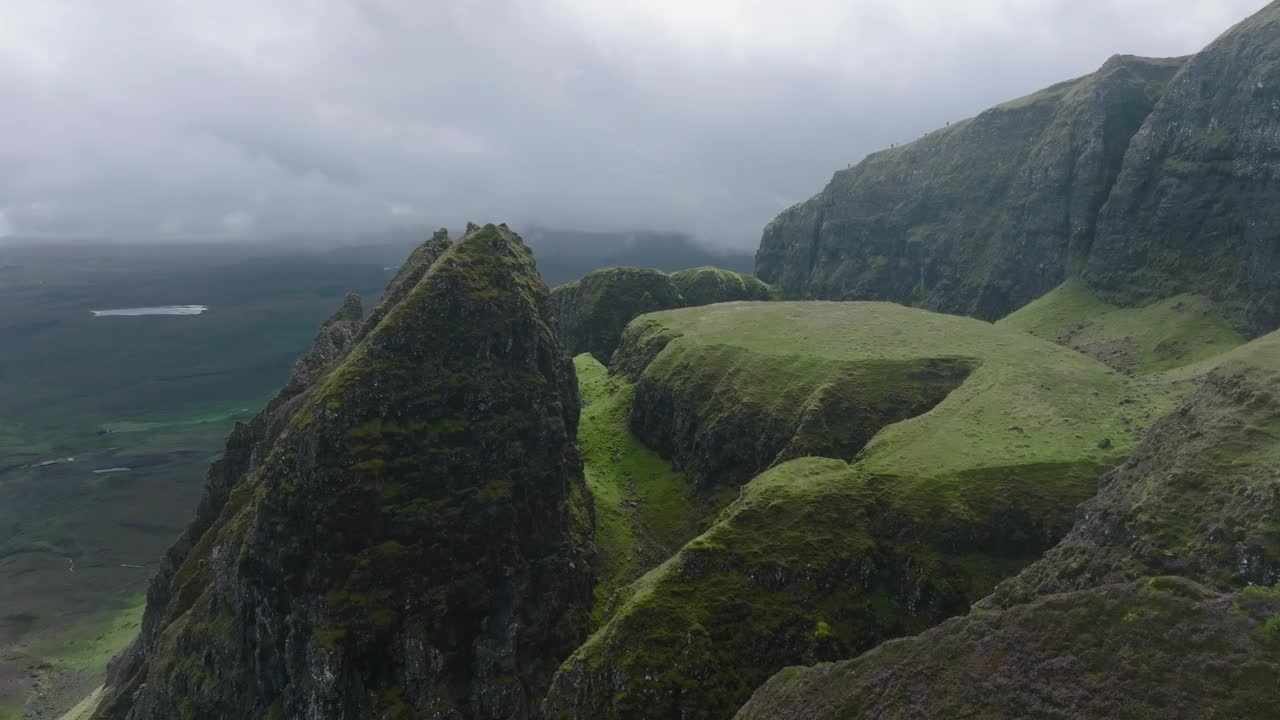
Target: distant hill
[566,255]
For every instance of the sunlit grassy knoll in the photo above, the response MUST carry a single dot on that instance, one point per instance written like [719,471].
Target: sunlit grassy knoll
[644,509]
[1173,333]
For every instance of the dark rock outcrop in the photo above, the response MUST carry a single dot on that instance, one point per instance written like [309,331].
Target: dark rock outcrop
[401,538]
[246,446]
[407,277]
[336,336]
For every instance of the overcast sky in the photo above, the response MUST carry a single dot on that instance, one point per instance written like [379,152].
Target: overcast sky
[192,118]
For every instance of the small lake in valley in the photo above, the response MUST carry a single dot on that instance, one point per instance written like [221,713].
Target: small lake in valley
[161,310]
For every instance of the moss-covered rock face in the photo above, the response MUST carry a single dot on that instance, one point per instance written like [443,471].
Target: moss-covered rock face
[709,285]
[592,312]
[336,336]
[408,542]
[407,277]
[1161,601]
[978,218]
[1194,208]
[1165,648]
[987,440]
[1143,179]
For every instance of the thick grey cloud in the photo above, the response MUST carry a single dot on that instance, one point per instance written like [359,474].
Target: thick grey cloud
[188,118]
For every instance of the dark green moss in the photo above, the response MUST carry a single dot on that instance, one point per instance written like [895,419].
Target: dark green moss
[593,311]
[420,500]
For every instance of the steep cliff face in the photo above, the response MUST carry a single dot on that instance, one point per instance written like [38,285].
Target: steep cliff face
[246,445]
[402,537]
[407,277]
[978,218]
[1196,208]
[1147,179]
[336,336]
[1161,602]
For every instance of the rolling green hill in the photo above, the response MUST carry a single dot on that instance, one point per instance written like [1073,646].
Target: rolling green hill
[962,451]
[1161,602]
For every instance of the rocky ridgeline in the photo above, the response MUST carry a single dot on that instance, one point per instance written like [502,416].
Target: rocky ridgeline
[1147,179]
[403,532]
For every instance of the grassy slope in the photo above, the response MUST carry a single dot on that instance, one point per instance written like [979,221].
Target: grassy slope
[645,510]
[1159,603]
[1169,334]
[1198,497]
[77,657]
[1027,401]
[818,557]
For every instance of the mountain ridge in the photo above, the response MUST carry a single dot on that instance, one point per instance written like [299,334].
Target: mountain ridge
[1069,517]
[1145,179]
[443,442]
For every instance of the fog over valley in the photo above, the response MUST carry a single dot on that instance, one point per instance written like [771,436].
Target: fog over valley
[142,119]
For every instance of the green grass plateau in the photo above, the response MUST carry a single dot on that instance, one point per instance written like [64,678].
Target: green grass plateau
[821,558]
[1026,401]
